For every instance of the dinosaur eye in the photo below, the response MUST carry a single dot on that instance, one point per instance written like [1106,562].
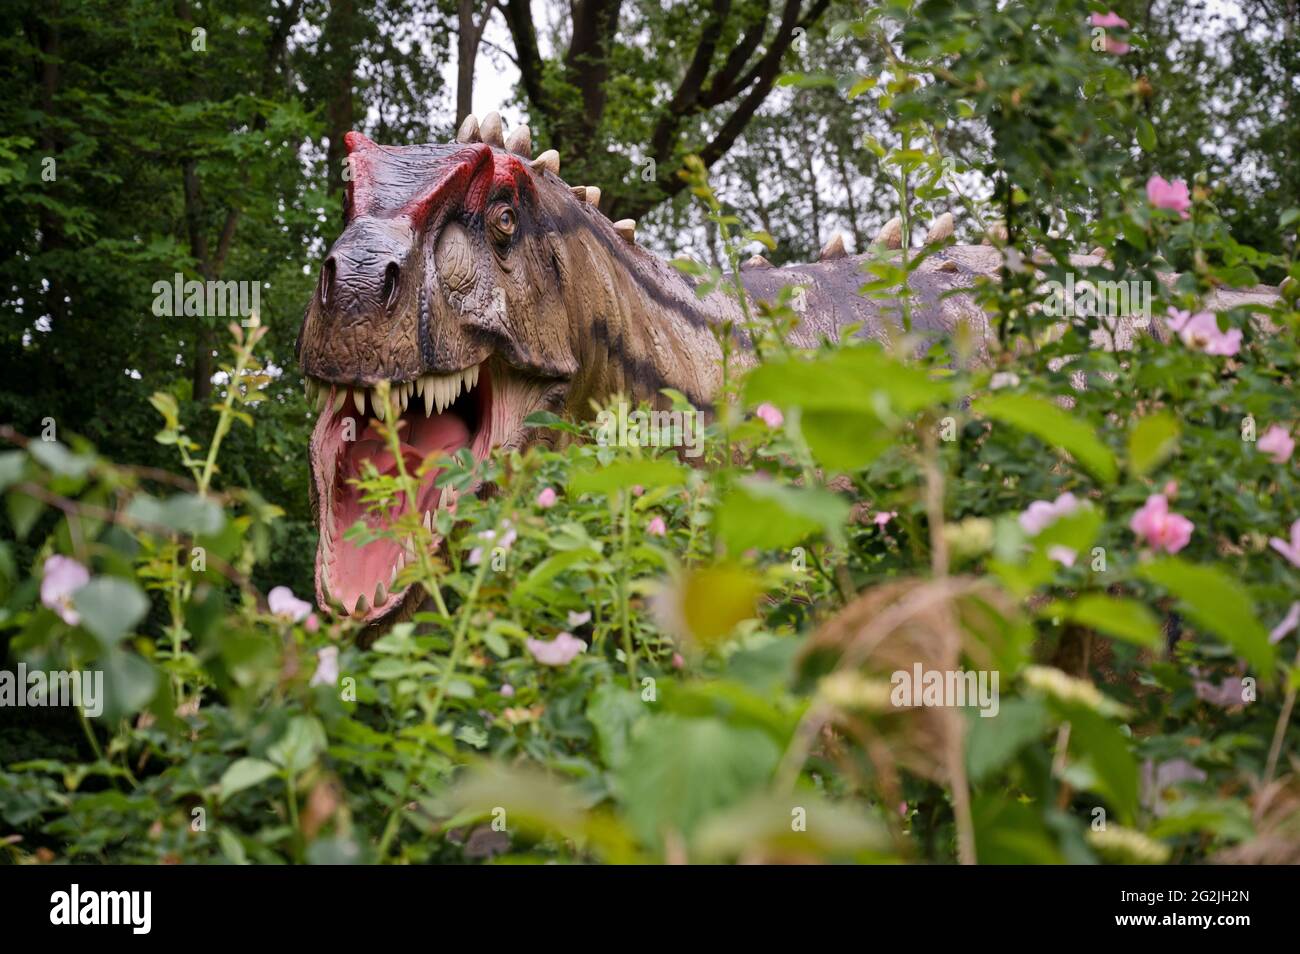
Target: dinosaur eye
[502,222]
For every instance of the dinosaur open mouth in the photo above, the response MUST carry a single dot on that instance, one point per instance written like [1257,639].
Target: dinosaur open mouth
[439,413]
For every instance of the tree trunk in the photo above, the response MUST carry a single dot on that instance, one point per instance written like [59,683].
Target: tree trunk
[467,52]
[340,35]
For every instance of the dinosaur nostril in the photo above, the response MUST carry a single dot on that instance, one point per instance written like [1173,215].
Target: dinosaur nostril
[391,274]
[326,282]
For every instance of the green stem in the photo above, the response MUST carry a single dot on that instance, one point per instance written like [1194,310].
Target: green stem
[624,585]
[465,612]
[243,354]
[411,488]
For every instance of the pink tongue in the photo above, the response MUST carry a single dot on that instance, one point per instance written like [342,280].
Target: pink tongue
[419,438]
[358,569]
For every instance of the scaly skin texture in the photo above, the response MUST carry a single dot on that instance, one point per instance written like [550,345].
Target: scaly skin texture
[469,256]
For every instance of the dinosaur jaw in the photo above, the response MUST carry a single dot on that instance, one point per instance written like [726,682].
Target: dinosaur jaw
[441,413]
[481,407]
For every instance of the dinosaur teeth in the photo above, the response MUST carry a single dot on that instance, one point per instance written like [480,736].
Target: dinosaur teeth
[441,390]
[437,391]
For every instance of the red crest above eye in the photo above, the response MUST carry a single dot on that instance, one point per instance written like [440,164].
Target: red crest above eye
[358,172]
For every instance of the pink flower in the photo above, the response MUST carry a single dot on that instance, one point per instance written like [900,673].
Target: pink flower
[770,415]
[507,690]
[61,577]
[284,604]
[1289,550]
[1041,514]
[579,619]
[637,490]
[883,517]
[505,543]
[679,662]
[656,527]
[327,667]
[1162,194]
[1288,624]
[1277,443]
[1109,19]
[546,498]
[312,623]
[1160,529]
[1062,555]
[558,652]
[902,809]
[1200,332]
[1230,692]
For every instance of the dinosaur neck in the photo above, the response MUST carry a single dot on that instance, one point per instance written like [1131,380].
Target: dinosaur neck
[659,334]
[644,328]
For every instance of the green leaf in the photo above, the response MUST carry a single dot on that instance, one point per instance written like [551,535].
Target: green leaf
[1152,439]
[1106,750]
[991,743]
[845,441]
[1053,426]
[1009,832]
[24,511]
[130,682]
[679,771]
[859,378]
[1113,615]
[1146,134]
[1077,530]
[1215,601]
[184,513]
[549,420]
[540,577]
[766,514]
[231,846]
[714,600]
[841,830]
[303,740]
[59,460]
[622,474]
[12,464]
[613,710]
[245,773]
[110,608]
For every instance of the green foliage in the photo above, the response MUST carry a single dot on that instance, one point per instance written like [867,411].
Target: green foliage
[734,700]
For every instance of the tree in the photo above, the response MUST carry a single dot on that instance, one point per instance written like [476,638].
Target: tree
[469,33]
[589,101]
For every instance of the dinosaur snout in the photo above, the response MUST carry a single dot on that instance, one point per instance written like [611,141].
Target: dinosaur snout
[362,277]
[362,324]
[356,286]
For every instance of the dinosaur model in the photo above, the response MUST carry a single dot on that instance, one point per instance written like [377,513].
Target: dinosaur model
[471,277]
